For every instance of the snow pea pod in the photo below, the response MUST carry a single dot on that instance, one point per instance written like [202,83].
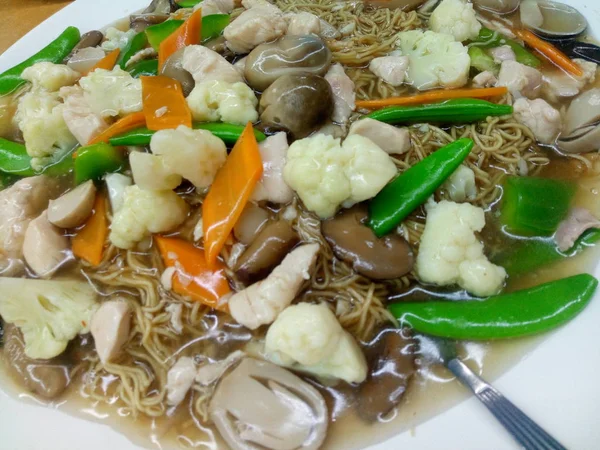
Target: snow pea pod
[14,159]
[491,39]
[147,67]
[460,110]
[414,186]
[137,43]
[54,52]
[516,314]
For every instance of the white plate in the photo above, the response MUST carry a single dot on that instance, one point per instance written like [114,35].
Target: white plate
[557,384]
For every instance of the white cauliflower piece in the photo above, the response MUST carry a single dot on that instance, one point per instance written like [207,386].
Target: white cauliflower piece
[112,92]
[309,338]
[50,76]
[146,212]
[195,155]
[455,17]
[40,118]
[450,253]
[461,184]
[436,60]
[116,39]
[326,174]
[49,312]
[214,101]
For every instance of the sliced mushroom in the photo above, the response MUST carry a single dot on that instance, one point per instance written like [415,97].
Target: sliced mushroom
[390,373]
[288,55]
[252,220]
[86,58]
[161,7]
[552,19]
[88,40]
[45,247]
[73,208]
[262,405]
[582,124]
[139,22]
[173,68]
[498,6]
[354,242]
[110,328]
[267,251]
[297,104]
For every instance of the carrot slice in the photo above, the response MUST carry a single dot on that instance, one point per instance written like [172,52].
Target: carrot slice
[192,276]
[549,51]
[164,104]
[108,62]
[127,123]
[229,193]
[189,33]
[88,242]
[432,96]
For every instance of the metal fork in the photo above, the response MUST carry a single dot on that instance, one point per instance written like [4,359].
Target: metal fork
[524,430]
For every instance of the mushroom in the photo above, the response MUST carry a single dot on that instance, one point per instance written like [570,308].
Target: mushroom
[498,6]
[262,405]
[552,19]
[288,55]
[139,22]
[161,7]
[296,103]
[376,258]
[173,68]
[73,208]
[45,247]
[390,372]
[86,58]
[267,251]
[581,132]
[251,221]
[88,40]
[110,328]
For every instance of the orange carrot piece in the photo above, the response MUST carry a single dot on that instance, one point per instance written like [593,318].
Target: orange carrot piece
[88,242]
[108,62]
[549,51]
[192,276]
[432,96]
[127,123]
[164,104]
[189,33]
[229,193]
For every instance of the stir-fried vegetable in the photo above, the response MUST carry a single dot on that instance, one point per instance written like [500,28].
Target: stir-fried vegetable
[94,161]
[159,32]
[164,104]
[88,242]
[550,52]
[136,44]
[187,34]
[192,276]
[490,39]
[108,62]
[14,159]
[147,67]
[461,110]
[213,25]
[533,206]
[432,97]
[521,313]
[227,132]
[54,52]
[130,122]
[229,193]
[482,62]
[414,186]
[188,3]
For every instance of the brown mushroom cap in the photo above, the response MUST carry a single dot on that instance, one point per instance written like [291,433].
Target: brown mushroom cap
[297,104]
[354,242]
[288,55]
[173,68]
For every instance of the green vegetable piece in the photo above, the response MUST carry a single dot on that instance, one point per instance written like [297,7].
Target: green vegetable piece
[490,39]
[14,159]
[94,161]
[533,206]
[138,137]
[482,62]
[517,314]
[62,164]
[7,180]
[159,32]
[414,186]
[137,43]
[147,67]
[54,52]
[213,25]
[188,3]
[462,110]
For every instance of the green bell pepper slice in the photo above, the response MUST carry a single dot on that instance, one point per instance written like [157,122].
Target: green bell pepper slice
[94,161]
[137,43]
[461,110]
[482,62]
[147,67]
[54,52]
[491,39]
[14,159]
[533,206]
[159,32]
[188,3]
[516,314]
[62,163]
[213,26]
[414,186]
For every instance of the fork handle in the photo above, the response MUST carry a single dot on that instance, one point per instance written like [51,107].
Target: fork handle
[524,430]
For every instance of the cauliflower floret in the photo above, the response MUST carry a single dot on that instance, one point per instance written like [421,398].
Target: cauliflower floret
[49,76]
[117,39]
[215,101]
[195,155]
[146,212]
[49,313]
[436,60]
[309,338]
[40,118]
[455,17]
[326,174]
[461,184]
[112,92]
[450,252]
